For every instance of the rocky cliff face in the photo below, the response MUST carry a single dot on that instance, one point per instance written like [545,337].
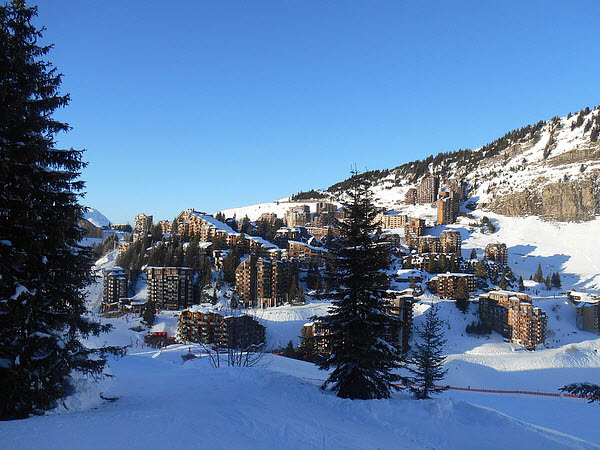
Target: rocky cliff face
[563,201]
[550,169]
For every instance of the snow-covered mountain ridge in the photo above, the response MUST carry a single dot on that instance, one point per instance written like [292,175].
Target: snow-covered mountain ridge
[96,218]
[550,169]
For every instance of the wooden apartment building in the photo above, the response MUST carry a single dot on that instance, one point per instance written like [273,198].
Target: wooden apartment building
[170,287]
[218,330]
[114,288]
[513,316]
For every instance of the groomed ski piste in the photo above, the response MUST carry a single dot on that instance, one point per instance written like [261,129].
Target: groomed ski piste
[161,402]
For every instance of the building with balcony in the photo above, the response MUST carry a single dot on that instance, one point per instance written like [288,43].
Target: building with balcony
[497,252]
[513,316]
[114,288]
[451,242]
[446,284]
[218,330]
[427,189]
[170,287]
[264,282]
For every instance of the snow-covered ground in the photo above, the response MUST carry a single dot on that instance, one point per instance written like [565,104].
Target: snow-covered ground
[163,403]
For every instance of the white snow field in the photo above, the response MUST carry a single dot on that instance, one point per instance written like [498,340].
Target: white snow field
[164,404]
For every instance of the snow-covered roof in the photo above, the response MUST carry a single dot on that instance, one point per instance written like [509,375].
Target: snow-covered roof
[215,223]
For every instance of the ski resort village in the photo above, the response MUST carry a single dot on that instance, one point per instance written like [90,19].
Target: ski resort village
[299,225]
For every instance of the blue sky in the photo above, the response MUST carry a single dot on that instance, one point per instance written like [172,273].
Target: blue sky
[216,104]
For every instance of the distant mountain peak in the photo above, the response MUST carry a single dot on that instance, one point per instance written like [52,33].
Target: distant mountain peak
[96,218]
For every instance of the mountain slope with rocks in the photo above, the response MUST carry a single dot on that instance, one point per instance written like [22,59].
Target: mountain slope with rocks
[550,169]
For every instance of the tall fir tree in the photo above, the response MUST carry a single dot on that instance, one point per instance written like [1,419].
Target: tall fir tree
[427,361]
[521,285]
[359,324]
[539,275]
[462,296]
[43,269]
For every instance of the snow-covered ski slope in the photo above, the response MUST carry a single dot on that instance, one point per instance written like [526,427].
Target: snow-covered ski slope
[164,404]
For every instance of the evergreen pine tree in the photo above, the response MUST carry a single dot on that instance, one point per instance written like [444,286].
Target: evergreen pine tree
[521,285]
[359,324]
[503,283]
[289,350]
[539,275]
[556,283]
[149,314]
[462,296]
[44,270]
[480,269]
[586,390]
[473,254]
[427,361]
[548,282]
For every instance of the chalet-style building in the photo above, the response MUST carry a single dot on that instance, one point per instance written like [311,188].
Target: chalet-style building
[445,211]
[323,219]
[413,229]
[267,217]
[429,244]
[124,246]
[221,331]
[142,224]
[321,232]
[170,287]
[422,261]
[450,242]
[114,288]
[513,316]
[497,252]
[265,283]
[445,284]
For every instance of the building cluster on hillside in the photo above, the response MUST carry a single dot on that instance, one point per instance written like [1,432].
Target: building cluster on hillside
[141,226]
[220,330]
[587,310]
[325,215]
[206,228]
[265,283]
[400,303]
[513,316]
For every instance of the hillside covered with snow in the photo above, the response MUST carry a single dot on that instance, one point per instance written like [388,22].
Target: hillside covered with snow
[96,218]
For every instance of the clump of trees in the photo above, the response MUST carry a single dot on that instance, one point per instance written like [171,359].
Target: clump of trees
[106,246]
[308,195]
[478,328]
